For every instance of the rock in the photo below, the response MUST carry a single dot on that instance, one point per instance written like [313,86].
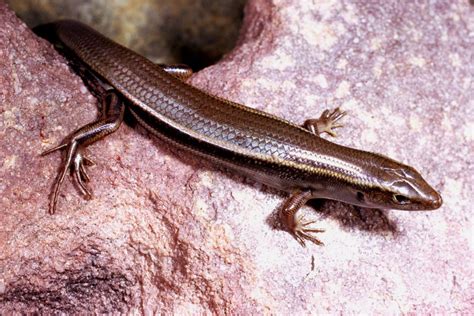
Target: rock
[193,32]
[168,233]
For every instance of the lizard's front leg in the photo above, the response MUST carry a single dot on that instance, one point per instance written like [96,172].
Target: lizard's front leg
[297,225]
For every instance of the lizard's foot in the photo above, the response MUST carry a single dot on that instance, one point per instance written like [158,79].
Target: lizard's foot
[112,116]
[76,162]
[298,226]
[302,232]
[326,123]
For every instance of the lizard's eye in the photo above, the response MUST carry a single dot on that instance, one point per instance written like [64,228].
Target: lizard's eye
[360,196]
[400,199]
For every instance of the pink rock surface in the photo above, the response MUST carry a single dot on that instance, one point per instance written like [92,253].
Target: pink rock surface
[167,232]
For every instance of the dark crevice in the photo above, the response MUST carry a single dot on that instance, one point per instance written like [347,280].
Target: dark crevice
[73,292]
[194,32]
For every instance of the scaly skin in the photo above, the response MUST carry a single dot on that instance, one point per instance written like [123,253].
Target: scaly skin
[259,145]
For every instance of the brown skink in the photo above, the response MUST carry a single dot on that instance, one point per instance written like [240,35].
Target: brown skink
[271,150]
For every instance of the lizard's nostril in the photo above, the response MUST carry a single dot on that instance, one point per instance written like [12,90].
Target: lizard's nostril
[437,201]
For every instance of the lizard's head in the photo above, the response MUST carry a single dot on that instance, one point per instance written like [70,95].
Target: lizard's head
[399,187]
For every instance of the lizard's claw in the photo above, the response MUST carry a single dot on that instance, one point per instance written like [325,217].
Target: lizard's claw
[301,231]
[76,162]
[326,123]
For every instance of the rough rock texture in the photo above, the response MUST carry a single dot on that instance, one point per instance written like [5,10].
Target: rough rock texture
[195,32]
[168,232]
